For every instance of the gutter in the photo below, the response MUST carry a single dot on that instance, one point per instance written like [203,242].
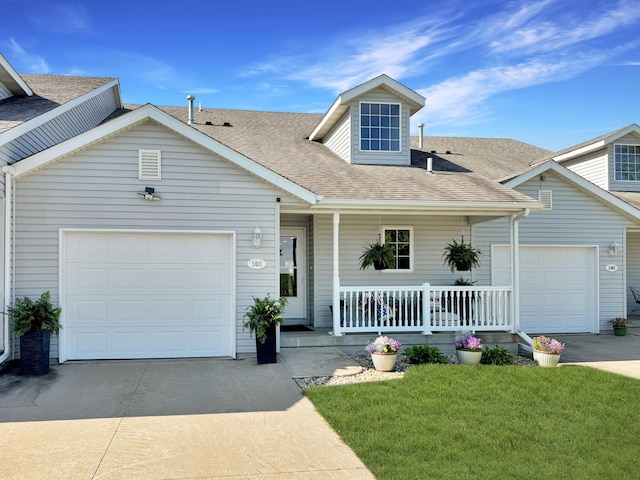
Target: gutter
[8,222]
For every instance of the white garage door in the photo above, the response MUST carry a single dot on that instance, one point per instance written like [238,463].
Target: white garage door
[558,288]
[147,295]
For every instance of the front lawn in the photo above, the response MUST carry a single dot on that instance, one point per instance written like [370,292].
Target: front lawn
[486,422]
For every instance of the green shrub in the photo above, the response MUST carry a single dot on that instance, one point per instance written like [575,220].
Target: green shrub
[497,356]
[419,354]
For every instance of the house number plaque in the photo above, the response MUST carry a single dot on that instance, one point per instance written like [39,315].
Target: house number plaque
[256,264]
[611,268]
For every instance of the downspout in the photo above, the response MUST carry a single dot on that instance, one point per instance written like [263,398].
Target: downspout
[8,222]
[515,273]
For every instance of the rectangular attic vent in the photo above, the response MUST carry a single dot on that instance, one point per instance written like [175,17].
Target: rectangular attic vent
[149,165]
[545,197]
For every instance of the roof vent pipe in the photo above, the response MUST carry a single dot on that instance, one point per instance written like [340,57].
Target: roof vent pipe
[421,135]
[190,99]
[429,165]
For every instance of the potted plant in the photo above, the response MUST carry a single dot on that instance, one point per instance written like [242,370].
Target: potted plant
[384,353]
[380,255]
[468,349]
[461,256]
[547,351]
[33,323]
[261,319]
[620,325]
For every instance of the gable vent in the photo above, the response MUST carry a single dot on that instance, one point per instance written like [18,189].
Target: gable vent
[149,164]
[545,197]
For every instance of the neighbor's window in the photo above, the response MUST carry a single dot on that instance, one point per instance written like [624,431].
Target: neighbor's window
[627,162]
[400,239]
[380,127]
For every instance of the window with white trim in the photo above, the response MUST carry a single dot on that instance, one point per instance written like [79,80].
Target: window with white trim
[400,238]
[380,127]
[627,162]
[149,165]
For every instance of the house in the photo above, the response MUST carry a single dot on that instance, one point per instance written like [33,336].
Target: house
[154,228]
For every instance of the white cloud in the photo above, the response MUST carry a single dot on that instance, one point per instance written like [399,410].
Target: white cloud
[24,61]
[62,18]
[201,91]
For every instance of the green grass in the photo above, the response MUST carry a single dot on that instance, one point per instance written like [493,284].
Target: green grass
[486,422]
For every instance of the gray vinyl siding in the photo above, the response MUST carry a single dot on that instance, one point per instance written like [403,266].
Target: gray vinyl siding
[616,185]
[430,235]
[338,139]
[632,248]
[577,219]
[593,167]
[4,92]
[77,120]
[97,188]
[380,158]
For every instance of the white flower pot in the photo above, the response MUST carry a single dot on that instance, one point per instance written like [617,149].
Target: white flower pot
[384,362]
[545,359]
[468,357]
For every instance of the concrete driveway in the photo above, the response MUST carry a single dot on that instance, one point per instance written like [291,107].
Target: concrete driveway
[606,351]
[178,419]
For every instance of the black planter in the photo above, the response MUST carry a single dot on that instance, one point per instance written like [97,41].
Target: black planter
[463,266]
[34,352]
[266,351]
[379,265]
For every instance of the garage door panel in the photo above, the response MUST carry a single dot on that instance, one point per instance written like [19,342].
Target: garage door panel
[558,287]
[131,295]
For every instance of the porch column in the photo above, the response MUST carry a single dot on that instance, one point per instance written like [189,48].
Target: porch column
[515,268]
[336,275]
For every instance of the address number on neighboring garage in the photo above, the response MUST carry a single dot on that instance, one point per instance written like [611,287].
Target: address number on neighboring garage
[256,264]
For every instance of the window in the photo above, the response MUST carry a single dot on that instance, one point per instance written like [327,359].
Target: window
[400,239]
[380,127]
[149,165]
[627,162]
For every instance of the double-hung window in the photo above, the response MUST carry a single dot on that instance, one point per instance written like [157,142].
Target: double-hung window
[380,127]
[627,162]
[400,239]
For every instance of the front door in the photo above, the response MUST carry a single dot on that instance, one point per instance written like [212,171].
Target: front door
[293,263]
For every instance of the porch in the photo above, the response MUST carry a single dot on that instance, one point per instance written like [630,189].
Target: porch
[424,309]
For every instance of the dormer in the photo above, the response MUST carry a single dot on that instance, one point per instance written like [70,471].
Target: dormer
[611,161]
[369,124]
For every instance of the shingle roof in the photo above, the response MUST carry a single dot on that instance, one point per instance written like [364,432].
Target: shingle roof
[493,158]
[50,91]
[279,141]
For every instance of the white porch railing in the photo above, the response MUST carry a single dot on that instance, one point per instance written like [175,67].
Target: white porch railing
[424,309]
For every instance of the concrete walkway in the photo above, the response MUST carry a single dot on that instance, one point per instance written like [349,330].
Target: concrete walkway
[178,419]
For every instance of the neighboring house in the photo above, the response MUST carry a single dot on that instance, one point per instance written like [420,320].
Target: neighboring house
[36,112]
[154,229]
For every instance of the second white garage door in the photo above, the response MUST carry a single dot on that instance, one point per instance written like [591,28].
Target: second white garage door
[558,287]
[147,295]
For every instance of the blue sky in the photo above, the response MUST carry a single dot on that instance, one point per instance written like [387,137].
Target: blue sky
[548,72]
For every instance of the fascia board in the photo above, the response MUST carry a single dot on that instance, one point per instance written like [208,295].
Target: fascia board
[82,141]
[4,63]
[580,182]
[580,151]
[621,133]
[29,125]
[337,109]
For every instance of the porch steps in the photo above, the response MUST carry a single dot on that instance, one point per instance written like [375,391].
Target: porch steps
[355,342]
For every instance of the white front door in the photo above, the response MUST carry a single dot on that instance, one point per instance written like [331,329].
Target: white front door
[293,271]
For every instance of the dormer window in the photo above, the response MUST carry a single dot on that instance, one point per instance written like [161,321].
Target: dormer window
[627,162]
[380,127]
